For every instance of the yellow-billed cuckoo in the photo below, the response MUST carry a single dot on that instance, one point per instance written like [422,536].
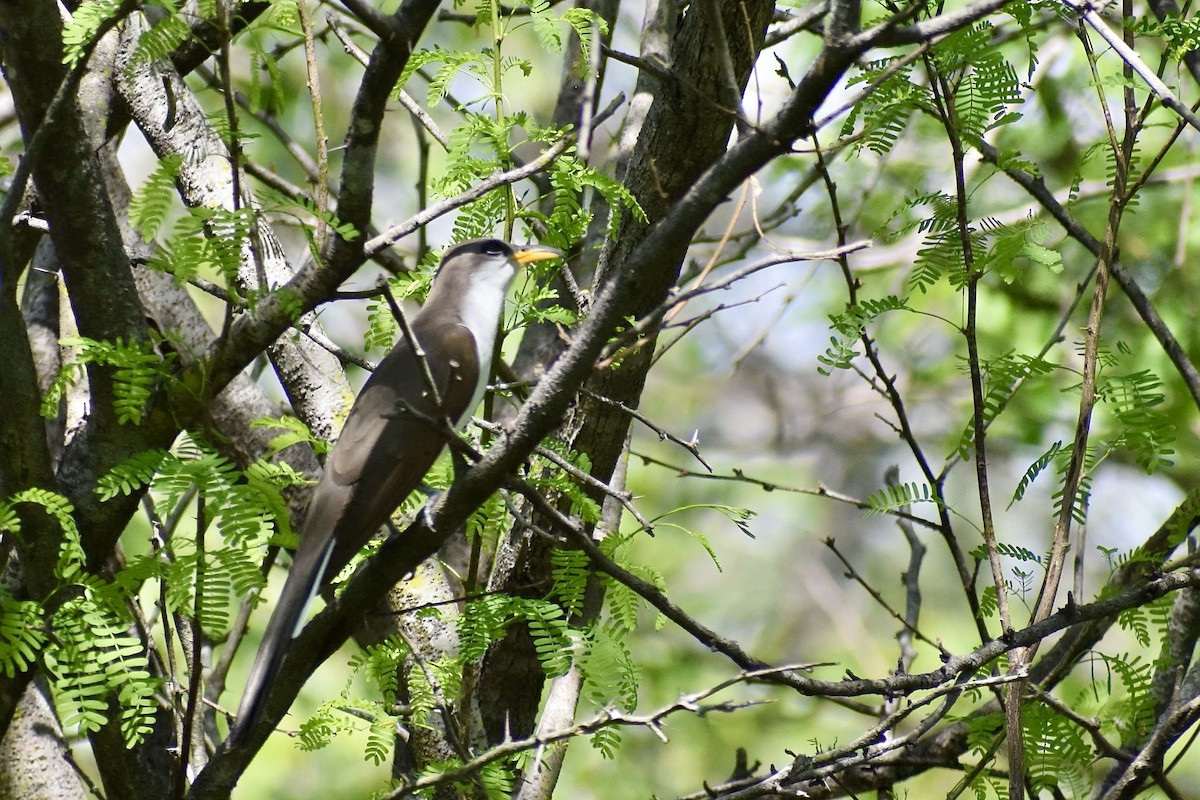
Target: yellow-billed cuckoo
[392,435]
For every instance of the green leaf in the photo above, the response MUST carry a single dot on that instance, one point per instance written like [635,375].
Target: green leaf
[138,371]
[850,326]
[162,39]
[894,497]
[83,27]
[22,636]
[151,202]
[1035,469]
[131,475]
[295,432]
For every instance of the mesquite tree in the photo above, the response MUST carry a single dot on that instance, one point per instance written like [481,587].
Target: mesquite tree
[210,209]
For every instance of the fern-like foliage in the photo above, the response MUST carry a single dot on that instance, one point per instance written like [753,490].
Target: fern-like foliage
[131,475]
[622,604]
[739,516]
[985,83]
[1015,247]
[451,63]
[551,30]
[283,14]
[570,576]
[21,634]
[607,741]
[584,22]
[151,202]
[555,482]
[422,699]
[327,722]
[381,736]
[1023,554]
[246,507]
[93,657]
[295,432]
[1181,34]
[1060,456]
[52,503]
[269,96]
[537,306]
[850,326]
[1002,376]
[1057,753]
[206,239]
[884,112]
[1005,249]
[91,654]
[498,778]
[1129,709]
[612,676]
[383,331]
[894,497]
[138,371]
[1035,469]
[382,665]
[303,209]
[83,26]
[487,523]
[1082,495]
[1148,622]
[483,621]
[1145,430]
[162,39]
[571,178]
[553,639]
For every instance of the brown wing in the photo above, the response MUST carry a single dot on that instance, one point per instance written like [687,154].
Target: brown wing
[384,451]
[389,442]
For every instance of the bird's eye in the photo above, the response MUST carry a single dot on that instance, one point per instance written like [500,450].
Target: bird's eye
[494,248]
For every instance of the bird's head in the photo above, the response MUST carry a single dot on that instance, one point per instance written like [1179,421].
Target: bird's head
[488,261]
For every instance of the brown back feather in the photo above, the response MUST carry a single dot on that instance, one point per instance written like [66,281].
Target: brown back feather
[390,439]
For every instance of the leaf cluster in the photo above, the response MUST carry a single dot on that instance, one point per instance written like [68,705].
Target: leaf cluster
[97,665]
[138,369]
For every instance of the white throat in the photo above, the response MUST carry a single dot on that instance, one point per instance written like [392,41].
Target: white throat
[482,308]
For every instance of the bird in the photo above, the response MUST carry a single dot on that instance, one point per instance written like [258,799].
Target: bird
[394,432]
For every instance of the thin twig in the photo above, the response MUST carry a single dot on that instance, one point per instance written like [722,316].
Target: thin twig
[313,79]
[739,476]
[418,352]
[897,65]
[406,100]
[886,384]
[639,333]
[1087,391]
[692,445]
[1133,61]
[624,498]
[609,717]
[191,723]
[912,575]
[494,181]
[855,576]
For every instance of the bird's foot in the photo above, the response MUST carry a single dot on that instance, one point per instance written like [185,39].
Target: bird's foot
[427,512]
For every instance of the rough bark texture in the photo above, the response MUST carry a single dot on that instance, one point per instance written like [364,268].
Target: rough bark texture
[34,762]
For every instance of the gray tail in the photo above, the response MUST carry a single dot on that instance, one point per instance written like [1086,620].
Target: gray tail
[298,591]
